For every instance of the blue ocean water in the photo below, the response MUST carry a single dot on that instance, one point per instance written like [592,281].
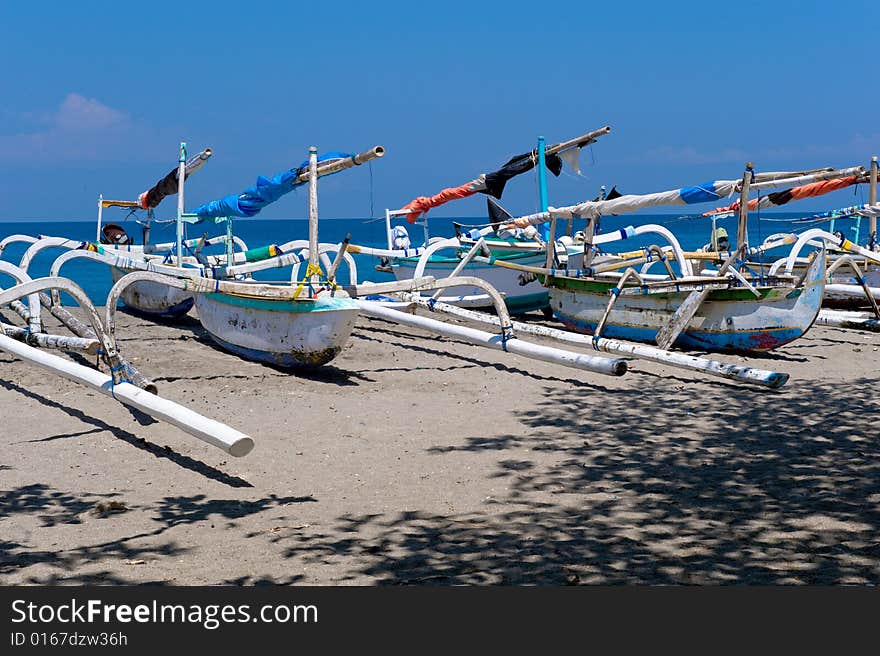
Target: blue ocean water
[692,231]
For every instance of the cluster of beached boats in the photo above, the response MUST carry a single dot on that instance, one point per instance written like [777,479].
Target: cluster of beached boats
[615,304]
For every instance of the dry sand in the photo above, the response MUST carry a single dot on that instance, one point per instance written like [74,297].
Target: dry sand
[421,460]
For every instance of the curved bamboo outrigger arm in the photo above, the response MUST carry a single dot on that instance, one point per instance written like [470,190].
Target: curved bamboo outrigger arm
[15,239]
[121,370]
[31,313]
[45,243]
[808,235]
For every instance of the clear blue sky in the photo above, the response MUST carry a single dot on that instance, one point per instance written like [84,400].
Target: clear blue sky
[96,95]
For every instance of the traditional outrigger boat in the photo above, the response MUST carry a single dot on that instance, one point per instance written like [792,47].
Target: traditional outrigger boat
[723,311]
[300,324]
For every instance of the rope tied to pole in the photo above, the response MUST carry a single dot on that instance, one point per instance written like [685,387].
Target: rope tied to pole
[311,269]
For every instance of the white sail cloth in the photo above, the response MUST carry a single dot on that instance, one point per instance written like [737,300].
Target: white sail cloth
[706,192]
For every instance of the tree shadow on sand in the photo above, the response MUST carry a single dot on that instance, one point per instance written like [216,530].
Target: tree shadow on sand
[746,488]
[52,508]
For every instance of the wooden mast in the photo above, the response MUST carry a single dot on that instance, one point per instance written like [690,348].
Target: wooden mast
[313,213]
[742,227]
[872,199]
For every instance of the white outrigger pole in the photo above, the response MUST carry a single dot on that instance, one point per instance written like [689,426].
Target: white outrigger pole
[771,379]
[233,442]
[116,384]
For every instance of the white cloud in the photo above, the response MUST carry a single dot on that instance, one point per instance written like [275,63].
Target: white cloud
[79,129]
[78,113]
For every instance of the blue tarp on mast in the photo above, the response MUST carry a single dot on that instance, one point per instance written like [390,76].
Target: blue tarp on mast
[265,191]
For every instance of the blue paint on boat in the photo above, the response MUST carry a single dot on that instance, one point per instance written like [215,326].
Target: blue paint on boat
[691,339]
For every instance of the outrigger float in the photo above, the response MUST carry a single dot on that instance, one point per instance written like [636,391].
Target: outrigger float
[124,383]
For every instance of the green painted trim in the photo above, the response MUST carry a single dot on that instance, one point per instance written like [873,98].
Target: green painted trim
[528,302]
[590,286]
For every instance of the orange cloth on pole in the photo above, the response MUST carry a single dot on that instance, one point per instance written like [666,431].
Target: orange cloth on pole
[422,204]
[823,187]
[795,193]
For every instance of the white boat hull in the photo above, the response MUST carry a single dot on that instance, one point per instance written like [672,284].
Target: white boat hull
[152,298]
[728,320]
[301,333]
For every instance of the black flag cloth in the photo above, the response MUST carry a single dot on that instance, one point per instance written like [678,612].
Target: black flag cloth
[515,166]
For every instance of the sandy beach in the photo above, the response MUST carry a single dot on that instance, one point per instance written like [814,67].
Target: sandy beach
[414,459]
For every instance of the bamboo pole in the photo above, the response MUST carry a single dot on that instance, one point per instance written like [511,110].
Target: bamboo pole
[783,175]
[607,366]
[181,177]
[578,142]
[208,430]
[736,373]
[313,212]
[589,235]
[854,292]
[551,247]
[340,255]
[872,199]
[615,294]
[45,340]
[340,165]
[850,320]
[742,226]
[74,325]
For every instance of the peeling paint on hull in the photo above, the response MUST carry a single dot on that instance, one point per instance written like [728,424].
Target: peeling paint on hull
[306,333]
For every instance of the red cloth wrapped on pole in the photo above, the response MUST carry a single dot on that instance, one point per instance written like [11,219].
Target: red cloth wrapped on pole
[795,193]
[423,203]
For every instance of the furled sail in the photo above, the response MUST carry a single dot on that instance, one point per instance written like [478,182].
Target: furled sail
[168,185]
[795,193]
[268,190]
[492,184]
[703,193]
